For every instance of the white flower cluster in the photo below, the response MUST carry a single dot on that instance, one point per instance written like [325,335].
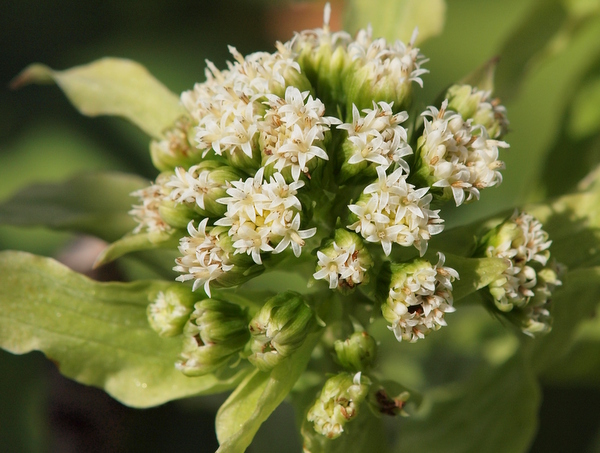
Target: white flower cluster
[378,136]
[386,61]
[527,245]
[393,211]
[192,185]
[203,258]
[264,216]
[417,303]
[146,214]
[343,268]
[460,156]
[228,106]
[292,131]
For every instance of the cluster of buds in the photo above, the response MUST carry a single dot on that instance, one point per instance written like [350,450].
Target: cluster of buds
[313,152]
[523,293]
[419,296]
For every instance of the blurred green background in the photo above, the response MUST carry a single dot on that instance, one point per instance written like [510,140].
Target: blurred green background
[548,77]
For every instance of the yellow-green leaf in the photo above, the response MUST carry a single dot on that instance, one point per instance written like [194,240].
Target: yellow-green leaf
[112,86]
[256,397]
[96,333]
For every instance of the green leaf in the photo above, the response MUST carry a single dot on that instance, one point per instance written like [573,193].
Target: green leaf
[112,86]
[397,19]
[256,397]
[96,204]
[494,411]
[96,333]
[573,303]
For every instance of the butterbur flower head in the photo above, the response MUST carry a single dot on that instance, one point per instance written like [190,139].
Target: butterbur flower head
[323,57]
[375,138]
[420,295]
[344,262]
[176,148]
[455,157]
[200,186]
[477,105]
[204,259]
[524,289]
[146,214]
[170,310]
[393,211]
[264,216]
[215,334]
[338,403]
[292,132]
[382,70]
[356,353]
[279,328]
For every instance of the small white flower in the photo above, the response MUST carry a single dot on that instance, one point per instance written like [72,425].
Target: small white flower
[393,211]
[264,216]
[203,259]
[292,131]
[378,137]
[460,156]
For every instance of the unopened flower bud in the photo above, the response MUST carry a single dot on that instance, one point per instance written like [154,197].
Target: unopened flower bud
[170,310]
[522,293]
[343,261]
[382,71]
[476,104]
[323,57]
[279,329]
[177,148]
[420,295]
[215,334]
[356,353]
[338,403]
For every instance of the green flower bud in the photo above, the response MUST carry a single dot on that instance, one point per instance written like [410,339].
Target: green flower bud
[382,71]
[176,149]
[356,353]
[420,295]
[323,57]
[343,261]
[338,403]
[279,329]
[522,293]
[170,310]
[476,104]
[176,214]
[215,334]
